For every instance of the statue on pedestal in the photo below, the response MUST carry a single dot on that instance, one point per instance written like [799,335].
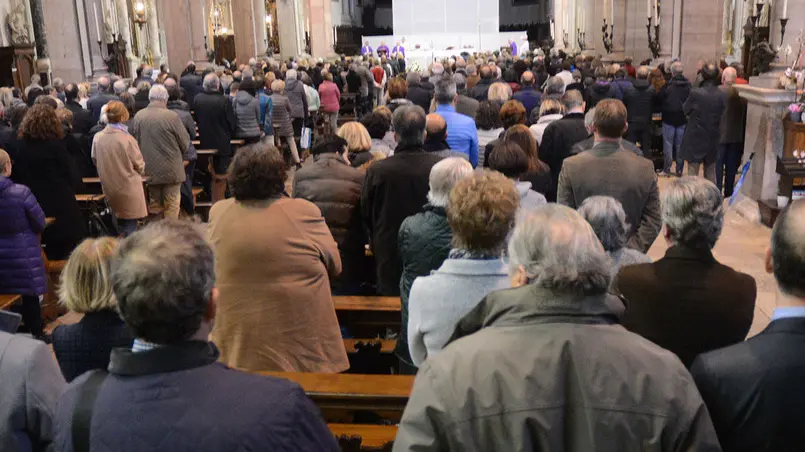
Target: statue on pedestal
[17,22]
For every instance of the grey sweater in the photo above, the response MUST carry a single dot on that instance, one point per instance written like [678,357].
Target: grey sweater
[247,109]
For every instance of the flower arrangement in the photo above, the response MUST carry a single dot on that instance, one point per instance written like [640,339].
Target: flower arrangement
[795,108]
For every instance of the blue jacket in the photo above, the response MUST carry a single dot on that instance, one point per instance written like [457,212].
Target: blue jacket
[178,398]
[266,110]
[529,97]
[22,270]
[462,135]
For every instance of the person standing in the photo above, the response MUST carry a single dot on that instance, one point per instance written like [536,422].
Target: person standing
[462,136]
[528,95]
[281,120]
[561,135]
[704,108]
[330,97]
[733,126]
[163,142]
[297,98]
[216,120]
[671,100]
[191,83]
[639,100]
[247,110]
[367,50]
[103,96]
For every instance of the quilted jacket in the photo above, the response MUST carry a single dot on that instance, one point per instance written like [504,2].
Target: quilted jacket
[22,270]
[424,242]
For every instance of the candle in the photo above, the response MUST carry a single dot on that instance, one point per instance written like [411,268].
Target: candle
[648,9]
[656,12]
[612,12]
[97,25]
[785,9]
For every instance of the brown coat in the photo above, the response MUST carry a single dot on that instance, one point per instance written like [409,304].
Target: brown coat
[120,167]
[273,261]
[163,141]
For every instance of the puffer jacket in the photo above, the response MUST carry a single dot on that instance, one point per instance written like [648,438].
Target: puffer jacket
[247,110]
[531,369]
[671,100]
[598,92]
[295,90]
[22,270]
[639,100]
[424,241]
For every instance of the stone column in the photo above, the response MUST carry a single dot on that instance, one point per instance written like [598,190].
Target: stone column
[243,26]
[260,32]
[153,32]
[321,28]
[95,29]
[40,35]
[198,27]
[122,10]
[291,32]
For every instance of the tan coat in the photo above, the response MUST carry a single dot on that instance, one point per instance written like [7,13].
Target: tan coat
[273,261]
[120,166]
[163,141]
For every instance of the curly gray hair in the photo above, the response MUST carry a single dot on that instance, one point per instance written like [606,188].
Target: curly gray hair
[559,251]
[693,212]
[608,220]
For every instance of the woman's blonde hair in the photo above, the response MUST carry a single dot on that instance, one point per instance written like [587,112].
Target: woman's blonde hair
[278,86]
[500,92]
[85,285]
[358,139]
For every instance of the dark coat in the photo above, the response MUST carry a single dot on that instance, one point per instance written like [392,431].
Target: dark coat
[216,122]
[82,119]
[620,87]
[753,390]
[733,124]
[639,101]
[45,167]
[529,97]
[95,103]
[687,302]
[86,345]
[394,189]
[704,109]
[480,91]
[191,84]
[671,99]
[419,95]
[141,101]
[597,92]
[558,140]
[424,241]
[22,270]
[178,398]
[335,188]
[467,106]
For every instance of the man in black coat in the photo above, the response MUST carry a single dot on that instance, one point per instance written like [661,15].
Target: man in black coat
[335,187]
[103,96]
[216,121]
[671,100]
[639,100]
[704,109]
[191,84]
[417,93]
[562,134]
[753,390]
[480,92]
[687,302]
[394,189]
[82,119]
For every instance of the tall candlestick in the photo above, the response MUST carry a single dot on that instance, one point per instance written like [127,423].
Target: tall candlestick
[785,9]
[648,9]
[97,25]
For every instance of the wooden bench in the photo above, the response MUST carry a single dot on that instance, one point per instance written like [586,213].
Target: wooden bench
[7,300]
[372,356]
[367,316]
[372,437]
[346,398]
[89,197]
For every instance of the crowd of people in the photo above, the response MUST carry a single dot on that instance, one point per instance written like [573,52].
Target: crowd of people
[509,202]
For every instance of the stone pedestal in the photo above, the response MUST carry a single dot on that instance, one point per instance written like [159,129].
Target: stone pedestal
[764,138]
[321,28]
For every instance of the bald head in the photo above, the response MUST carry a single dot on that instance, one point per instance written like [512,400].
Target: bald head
[788,250]
[436,128]
[527,78]
[729,76]
[486,73]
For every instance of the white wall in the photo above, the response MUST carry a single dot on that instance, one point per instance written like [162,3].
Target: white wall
[417,17]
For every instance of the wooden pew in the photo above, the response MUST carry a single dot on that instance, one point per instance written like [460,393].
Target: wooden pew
[368,317]
[89,197]
[351,398]
[372,437]
[7,300]
[372,356]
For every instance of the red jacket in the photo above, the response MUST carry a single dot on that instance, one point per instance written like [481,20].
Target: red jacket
[330,97]
[378,72]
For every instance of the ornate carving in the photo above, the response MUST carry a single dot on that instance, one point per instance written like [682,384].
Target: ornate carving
[17,21]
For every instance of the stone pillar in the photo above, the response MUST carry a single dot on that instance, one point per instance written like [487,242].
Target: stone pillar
[40,35]
[321,28]
[123,20]
[291,32]
[260,31]
[198,31]
[153,32]
[243,26]
[94,30]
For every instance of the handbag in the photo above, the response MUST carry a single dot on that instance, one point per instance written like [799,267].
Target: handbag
[307,134]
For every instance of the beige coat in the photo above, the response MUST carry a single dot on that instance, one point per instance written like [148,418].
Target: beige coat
[273,261]
[120,166]
[163,141]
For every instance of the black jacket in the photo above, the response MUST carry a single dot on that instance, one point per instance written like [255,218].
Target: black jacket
[335,188]
[480,92]
[687,302]
[671,99]
[191,84]
[597,92]
[753,390]
[216,121]
[705,108]
[394,189]
[639,101]
[557,141]
[419,95]
[82,119]
[95,103]
[86,345]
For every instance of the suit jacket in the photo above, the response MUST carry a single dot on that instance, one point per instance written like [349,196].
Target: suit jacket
[753,389]
[599,172]
[31,388]
[86,345]
[687,302]
[419,95]
[704,109]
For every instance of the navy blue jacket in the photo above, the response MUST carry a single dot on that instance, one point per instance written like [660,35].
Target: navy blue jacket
[529,97]
[22,270]
[177,398]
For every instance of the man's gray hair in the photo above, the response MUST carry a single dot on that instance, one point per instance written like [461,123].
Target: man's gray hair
[555,86]
[472,69]
[58,83]
[162,277]
[120,86]
[693,212]
[103,84]
[247,74]
[36,79]
[446,91]
[158,93]
[572,99]
[409,125]
[413,77]
[643,72]
[444,176]
[559,252]
[437,69]
[589,120]
[291,74]
[211,82]
[608,220]
[677,68]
